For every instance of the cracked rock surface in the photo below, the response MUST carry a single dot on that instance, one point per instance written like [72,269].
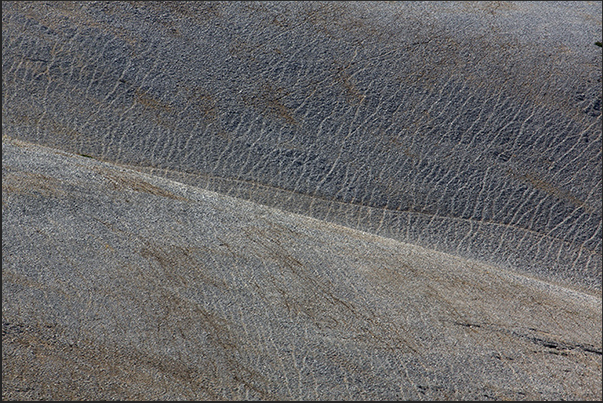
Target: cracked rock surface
[301,200]
[121,285]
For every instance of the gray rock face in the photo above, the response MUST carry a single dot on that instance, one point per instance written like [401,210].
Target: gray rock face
[121,285]
[470,129]
[444,160]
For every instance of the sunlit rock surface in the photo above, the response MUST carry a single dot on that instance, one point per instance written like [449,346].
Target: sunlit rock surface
[116,284]
[423,213]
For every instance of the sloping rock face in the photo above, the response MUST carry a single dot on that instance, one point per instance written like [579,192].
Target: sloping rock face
[121,285]
[423,200]
[470,129]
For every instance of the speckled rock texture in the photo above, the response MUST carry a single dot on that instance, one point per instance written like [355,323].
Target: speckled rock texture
[301,200]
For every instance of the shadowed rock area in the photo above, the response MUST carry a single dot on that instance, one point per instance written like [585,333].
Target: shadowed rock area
[416,210]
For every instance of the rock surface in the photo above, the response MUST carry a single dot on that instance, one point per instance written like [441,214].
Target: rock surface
[120,285]
[423,200]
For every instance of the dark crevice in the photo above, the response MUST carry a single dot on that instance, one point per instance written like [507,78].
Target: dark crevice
[548,343]
[561,346]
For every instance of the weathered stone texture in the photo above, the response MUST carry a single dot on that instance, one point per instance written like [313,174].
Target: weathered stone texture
[444,159]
